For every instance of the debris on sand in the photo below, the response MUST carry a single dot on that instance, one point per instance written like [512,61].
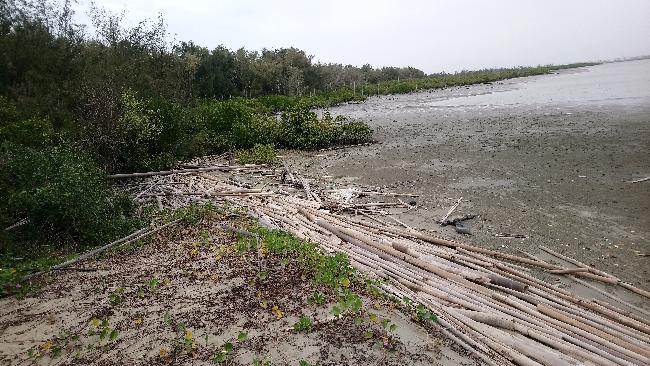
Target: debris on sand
[492,303]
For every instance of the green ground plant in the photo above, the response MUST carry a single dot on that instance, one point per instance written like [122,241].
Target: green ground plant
[258,154]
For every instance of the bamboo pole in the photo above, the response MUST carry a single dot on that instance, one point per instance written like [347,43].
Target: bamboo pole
[182,171]
[137,235]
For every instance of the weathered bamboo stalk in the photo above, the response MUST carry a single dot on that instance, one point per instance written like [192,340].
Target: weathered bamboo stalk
[137,235]
[181,171]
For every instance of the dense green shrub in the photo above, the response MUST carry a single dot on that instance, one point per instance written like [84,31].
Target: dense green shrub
[63,193]
[148,134]
[258,154]
[300,128]
[31,132]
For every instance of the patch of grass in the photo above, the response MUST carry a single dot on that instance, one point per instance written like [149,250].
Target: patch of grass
[303,324]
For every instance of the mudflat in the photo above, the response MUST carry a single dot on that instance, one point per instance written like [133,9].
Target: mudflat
[543,161]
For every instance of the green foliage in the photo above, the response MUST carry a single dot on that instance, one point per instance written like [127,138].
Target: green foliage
[348,304]
[303,324]
[423,314]
[333,270]
[150,134]
[63,194]
[116,297]
[258,154]
[317,298]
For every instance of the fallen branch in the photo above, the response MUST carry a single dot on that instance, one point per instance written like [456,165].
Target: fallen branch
[17,224]
[454,220]
[137,235]
[640,180]
[451,210]
[181,171]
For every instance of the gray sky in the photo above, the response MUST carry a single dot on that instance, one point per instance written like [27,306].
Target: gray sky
[431,35]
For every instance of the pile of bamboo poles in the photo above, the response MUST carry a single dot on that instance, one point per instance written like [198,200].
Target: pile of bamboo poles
[489,302]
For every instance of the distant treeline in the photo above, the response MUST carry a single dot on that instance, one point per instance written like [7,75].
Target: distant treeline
[54,67]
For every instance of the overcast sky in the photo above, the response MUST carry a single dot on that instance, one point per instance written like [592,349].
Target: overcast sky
[431,35]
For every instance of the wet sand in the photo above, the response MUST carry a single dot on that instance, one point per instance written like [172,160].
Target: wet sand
[553,166]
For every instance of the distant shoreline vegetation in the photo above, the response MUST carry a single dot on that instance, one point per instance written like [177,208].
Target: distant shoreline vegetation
[359,92]
[75,107]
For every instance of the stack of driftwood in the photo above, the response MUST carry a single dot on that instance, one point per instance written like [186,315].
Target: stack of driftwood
[493,304]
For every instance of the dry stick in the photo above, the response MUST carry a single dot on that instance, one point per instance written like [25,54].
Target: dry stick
[441,294]
[454,244]
[578,301]
[286,169]
[635,289]
[640,180]
[498,348]
[624,313]
[568,270]
[542,353]
[575,262]
[443,319]
[571,339]
[451,210]
[517,325]
[494,253]
[622,317]
[557,324]
[180,171]
[615,298]
[399,222]
[302,227]
[242,192]
[536,299]
[557,314]
[609,327]
[17,224]
[599,273]
[139,234]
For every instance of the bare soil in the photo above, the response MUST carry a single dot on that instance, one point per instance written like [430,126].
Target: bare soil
[558,175]
[188,276]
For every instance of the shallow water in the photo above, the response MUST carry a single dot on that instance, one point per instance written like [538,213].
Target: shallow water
[623,83]
[620,83]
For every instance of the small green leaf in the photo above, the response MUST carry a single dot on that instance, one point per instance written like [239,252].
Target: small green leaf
[368,335]
[384,323]
[358,321]
[242,336]
[113,335]
[336,311]
[393,327]
[219,357]
[227,347]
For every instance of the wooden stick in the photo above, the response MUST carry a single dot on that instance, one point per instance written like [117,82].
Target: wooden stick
[137,235]
[556,314]
[181,171]
[624,313]
[640,180]
[451,210]
[568,270]
[576,262]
